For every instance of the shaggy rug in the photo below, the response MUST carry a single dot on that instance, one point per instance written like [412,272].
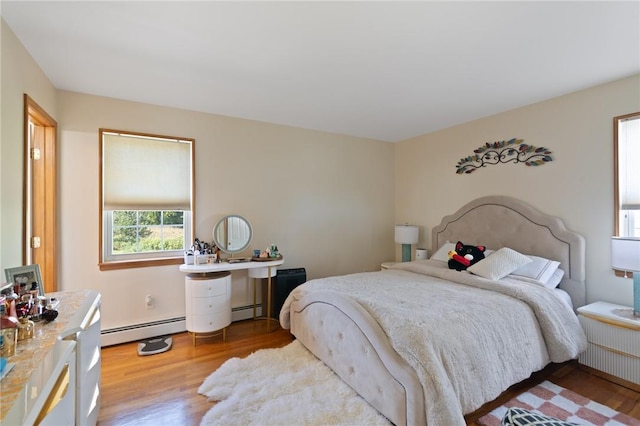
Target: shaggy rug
[290,386]
[286,386]
[555,401]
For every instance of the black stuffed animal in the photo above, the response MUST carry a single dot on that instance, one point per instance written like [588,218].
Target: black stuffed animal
[465,256]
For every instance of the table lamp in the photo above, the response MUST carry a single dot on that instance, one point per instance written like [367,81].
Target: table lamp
[625,256]
[406,235]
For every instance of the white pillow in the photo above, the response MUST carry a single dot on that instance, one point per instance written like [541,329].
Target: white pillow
[551,283]
[539,269]
[555,279]
[500,264]
[442,254]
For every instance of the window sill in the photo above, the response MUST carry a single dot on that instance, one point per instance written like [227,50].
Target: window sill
[143,263]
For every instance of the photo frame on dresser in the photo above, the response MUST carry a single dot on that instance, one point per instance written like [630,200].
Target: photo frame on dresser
[24,278]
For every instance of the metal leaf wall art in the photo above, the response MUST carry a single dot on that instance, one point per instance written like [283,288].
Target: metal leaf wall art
[511,151]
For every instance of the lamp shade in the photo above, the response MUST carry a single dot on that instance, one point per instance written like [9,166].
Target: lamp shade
[406,234]
[625,253]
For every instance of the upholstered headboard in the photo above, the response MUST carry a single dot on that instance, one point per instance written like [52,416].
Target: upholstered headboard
[499,221]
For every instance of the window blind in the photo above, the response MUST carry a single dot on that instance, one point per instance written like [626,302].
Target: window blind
[629,163]
[144,173]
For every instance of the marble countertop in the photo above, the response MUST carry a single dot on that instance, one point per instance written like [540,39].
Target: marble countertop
[30,352]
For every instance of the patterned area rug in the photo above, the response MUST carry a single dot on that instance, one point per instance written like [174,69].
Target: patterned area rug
[555,401]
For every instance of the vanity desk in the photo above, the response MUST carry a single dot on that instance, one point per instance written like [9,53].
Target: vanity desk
[208,285]
[208,294]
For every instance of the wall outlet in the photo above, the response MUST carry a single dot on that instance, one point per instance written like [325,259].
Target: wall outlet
[148,301]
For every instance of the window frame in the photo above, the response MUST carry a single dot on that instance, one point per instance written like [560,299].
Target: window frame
[108,256]
[150,259]
[616,186]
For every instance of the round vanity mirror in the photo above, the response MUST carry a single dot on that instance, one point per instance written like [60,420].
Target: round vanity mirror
[232,234]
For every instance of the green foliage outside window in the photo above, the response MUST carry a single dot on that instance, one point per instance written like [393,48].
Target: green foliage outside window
[147,231]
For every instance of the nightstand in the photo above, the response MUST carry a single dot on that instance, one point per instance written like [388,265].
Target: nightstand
[613,334]
[387,265]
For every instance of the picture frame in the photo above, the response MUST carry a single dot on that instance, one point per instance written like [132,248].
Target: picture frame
[23,278]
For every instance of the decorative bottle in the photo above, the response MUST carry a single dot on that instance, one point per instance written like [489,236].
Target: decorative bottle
[26,328]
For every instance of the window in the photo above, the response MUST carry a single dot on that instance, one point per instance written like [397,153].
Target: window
[627,174]
[146,199]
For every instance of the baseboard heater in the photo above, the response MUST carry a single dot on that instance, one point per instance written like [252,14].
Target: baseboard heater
[245,312]
[130,333]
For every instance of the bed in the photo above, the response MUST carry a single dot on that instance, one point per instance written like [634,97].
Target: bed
[424,344]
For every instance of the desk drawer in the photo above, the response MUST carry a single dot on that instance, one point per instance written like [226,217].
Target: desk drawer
[208,305]
[208,288]
[208,323]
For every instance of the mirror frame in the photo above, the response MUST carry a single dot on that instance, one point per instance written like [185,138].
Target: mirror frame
[221,223]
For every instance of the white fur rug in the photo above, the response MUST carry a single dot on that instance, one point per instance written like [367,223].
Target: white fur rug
[286,386]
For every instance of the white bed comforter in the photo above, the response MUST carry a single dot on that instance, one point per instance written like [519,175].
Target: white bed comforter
[468,338]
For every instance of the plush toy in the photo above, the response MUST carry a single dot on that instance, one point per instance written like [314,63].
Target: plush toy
[465,256]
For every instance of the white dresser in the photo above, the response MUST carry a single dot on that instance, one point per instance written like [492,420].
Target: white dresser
[47,397]
[84,329]
[614,341]
[208,303]
[56,375]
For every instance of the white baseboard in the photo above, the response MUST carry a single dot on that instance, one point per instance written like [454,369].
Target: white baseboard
[135,332]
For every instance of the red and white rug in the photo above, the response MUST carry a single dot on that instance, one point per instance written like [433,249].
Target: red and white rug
[555,401]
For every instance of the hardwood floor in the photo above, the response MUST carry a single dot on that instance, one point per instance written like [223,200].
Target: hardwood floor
[162,388]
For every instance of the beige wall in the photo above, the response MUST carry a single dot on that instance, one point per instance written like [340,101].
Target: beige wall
[19,74]
[577,185]
[326,200]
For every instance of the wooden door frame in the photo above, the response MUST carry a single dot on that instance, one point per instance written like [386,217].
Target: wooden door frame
[33,112]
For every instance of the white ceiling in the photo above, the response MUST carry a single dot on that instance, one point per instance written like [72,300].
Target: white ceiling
[383,70]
